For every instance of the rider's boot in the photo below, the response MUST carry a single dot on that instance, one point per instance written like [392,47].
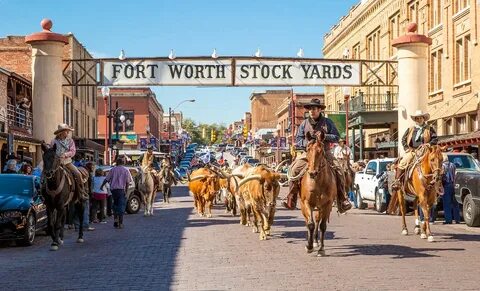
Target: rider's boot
[397,183]
[343,205]
[294,188]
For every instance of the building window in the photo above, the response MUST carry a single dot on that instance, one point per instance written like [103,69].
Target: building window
[394,31]
[67,110]
[88,95]
[413,11]
[434,124]
[435,67]
[356,52]
[462,59]
[373,45]
[436,13]
[459,5]
[473,122]
[461,124]
[76,123]
[88,128]
[128,125]
[94,97]
[94,128]
[449,126]
[2,126]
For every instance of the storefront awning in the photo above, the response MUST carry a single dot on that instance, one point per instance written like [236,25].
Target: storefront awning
[467,139]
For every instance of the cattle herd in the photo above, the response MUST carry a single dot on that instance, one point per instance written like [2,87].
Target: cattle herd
[251,190]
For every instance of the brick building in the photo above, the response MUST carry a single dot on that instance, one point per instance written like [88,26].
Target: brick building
[263,107]
[367,32]
[143,117]
[79,102]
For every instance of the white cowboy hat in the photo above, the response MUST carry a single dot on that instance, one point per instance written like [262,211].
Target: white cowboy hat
[62,127]
[420,113]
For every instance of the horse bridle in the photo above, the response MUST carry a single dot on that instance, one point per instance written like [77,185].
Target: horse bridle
[314,174]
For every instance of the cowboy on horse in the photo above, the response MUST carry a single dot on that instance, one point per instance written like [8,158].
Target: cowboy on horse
[316,122]
[65,151]
[413,138]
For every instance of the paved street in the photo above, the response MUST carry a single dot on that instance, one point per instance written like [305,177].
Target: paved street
[177,250]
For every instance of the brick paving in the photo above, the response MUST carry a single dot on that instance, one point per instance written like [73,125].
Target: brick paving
[177,250]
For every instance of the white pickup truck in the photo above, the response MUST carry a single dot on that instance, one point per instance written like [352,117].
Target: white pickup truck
[366,184]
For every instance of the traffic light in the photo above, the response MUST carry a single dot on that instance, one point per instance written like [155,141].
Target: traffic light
[213,136]
[204,132]
[245,131]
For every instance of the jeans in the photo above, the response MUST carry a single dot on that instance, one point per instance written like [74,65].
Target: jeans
[432,213]
[352,197]
[119,201]
[86,211]
[450,204]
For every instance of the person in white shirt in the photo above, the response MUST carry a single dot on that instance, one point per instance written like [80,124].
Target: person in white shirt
[100,196]
[342,152]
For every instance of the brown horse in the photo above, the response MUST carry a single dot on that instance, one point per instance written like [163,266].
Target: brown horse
[424,184]
[318,191]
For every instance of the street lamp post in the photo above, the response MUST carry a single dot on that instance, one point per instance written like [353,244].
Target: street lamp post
[346,94]
[106,95]
[170,112]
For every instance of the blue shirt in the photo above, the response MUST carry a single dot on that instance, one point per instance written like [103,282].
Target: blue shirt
[448,172]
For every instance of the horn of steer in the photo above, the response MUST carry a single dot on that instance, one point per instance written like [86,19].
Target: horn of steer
[281,164]
[222,173]
[247,179]
[199,177]
[238,175]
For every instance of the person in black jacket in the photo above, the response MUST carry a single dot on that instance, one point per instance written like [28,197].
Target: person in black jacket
[314,123]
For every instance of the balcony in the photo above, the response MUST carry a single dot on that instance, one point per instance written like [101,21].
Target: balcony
[19,118]
[372,102]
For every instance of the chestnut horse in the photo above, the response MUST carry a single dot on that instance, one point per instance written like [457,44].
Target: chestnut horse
[424,184]
[318,191]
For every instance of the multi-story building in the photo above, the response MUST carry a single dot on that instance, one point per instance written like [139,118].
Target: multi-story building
[367,32]
[263,107]
[143,117]
[79,102]
[16,118]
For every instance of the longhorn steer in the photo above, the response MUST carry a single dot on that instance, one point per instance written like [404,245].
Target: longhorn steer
[259,191]
[203,186]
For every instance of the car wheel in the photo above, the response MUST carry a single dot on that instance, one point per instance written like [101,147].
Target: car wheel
[30,229]
[133,204]
[379,205]
[471,212]
[360,203]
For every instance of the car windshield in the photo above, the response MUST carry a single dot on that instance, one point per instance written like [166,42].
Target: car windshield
[464,162]
[253,161]
[16,186]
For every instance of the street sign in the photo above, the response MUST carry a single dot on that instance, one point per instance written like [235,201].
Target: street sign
[231,71]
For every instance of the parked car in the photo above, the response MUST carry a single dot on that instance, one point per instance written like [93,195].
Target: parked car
[366,184]
[134,197]
[22,210]
[467,186]
[253,162]
[229,147]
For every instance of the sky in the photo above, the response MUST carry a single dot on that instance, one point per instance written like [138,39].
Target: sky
[151,28]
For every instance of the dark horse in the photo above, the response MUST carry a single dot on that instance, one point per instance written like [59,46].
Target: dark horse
[167,178]
[59,186]
[318,191]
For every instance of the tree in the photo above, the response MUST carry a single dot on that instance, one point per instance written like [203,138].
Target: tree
[196,130]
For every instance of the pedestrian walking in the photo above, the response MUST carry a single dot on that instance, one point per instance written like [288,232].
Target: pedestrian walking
[99,201]
[450,204]
[119,178]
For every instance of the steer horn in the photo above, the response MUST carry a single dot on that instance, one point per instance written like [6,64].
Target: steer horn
[281,163]
[248,179]
[199,177]
[222,173]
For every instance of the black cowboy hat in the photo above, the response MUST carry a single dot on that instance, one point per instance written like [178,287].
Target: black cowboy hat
[315,102]
[149,147]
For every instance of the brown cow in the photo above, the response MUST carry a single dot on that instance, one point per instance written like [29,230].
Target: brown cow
[203,186]
[237,175]
[259,190]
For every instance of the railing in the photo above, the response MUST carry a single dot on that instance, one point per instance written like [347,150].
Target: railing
[19,117]
[372,102]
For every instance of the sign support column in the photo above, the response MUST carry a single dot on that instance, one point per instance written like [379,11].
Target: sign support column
[412,58]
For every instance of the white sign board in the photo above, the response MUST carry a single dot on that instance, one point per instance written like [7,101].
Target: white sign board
[218,72]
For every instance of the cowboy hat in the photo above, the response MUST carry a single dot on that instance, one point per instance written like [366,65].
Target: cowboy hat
[62,127]
[420,113]
[341,140]
[315,102]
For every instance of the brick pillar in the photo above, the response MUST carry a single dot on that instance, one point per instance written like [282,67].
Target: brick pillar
[412,55]
[47,98]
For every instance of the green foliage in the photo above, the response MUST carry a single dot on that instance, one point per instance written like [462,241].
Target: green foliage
[195,131]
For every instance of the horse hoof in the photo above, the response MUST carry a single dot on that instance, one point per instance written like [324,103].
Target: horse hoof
[321,253]
[80,240]
[315,245]
[267,232]
[308,250]
[54,248]
[423,236]
[430,238]
[417,230]
[209,216]
[404,232]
